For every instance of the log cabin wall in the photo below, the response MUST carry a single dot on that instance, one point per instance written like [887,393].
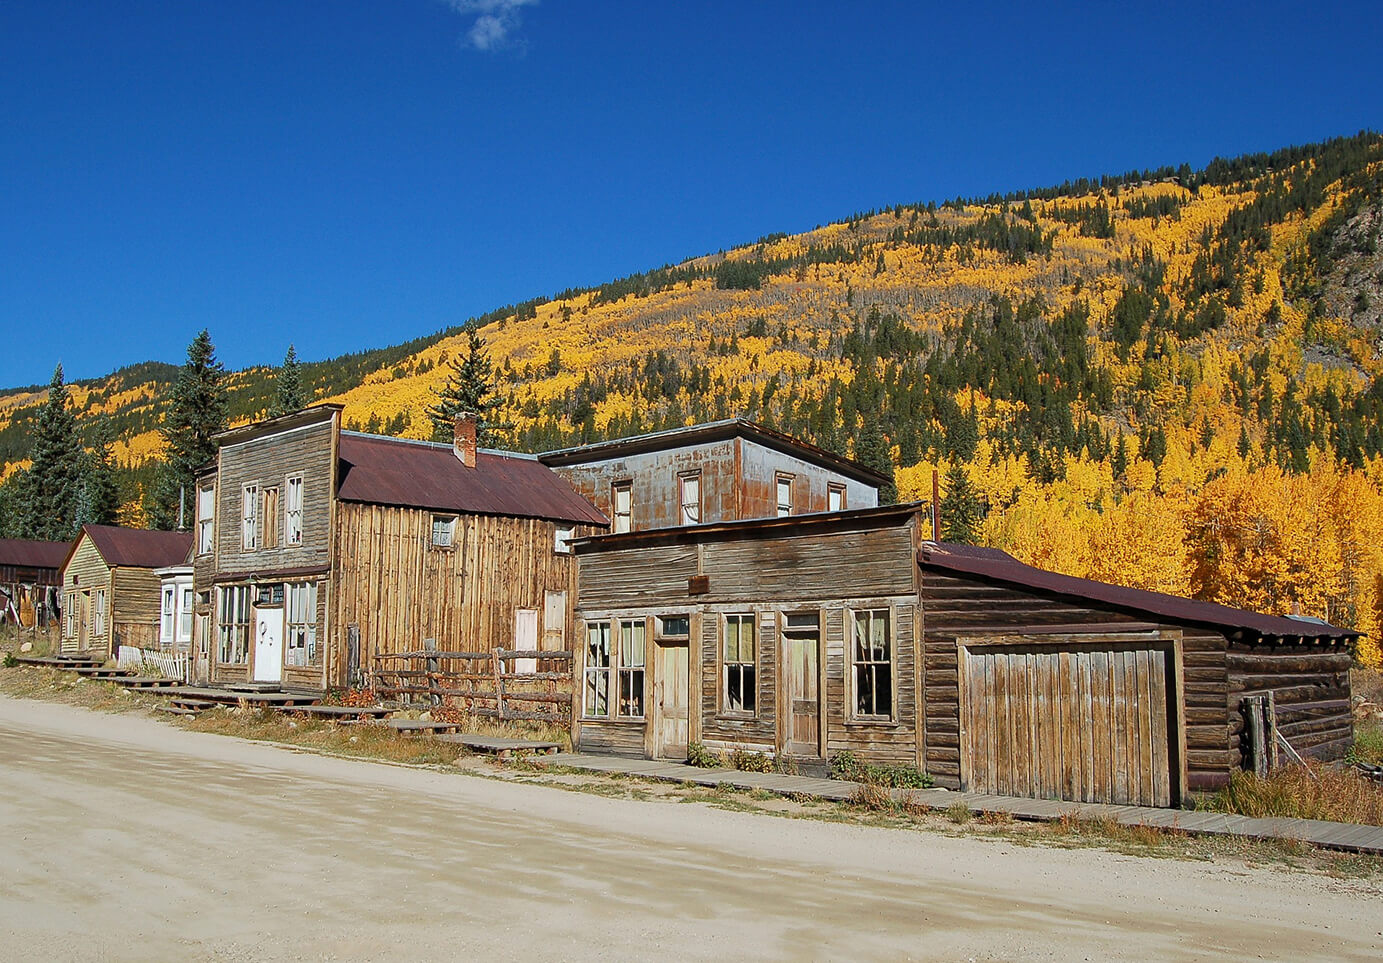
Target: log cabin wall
[769,576]
[1310,686]
[394,589]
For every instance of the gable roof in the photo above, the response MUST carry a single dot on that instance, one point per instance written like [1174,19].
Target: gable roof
[992,564]
[711,432]
[134,547]
[31,553]
[420,474]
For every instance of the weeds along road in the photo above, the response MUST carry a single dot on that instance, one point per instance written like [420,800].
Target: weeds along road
[128,839]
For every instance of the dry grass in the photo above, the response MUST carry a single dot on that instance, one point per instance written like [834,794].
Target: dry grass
[1307,792]
[364,741]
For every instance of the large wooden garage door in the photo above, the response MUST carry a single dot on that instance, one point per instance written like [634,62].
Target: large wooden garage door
[1083,722]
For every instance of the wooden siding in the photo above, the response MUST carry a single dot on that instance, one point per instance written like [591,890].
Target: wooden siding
[1310,685]
[613,738]
[399,590]
[759,468]
[135,608]
[268,462]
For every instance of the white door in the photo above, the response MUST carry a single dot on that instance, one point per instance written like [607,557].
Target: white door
[268,645]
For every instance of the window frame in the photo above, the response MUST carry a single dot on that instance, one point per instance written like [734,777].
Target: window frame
[184,624]
[168,615]
[98,614]
[780,480]
[725,666]
[233,634]
[293,513]
[593,672]
[622,521]
[450,522]
[300,633]
[853,715]
[684,479]
[206,524]
[70,615]
[837,490]
[270,501]
[249,517]
[625,672]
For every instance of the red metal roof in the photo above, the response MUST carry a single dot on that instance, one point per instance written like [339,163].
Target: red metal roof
[414,474]
[137,547]
[29,553]
[990,563]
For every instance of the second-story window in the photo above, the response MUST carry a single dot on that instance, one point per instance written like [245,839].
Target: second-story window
[269,533]
[293,511]
[689,489]
[206,519]
[784,495]
[835,498]
[249,514]
[622,502]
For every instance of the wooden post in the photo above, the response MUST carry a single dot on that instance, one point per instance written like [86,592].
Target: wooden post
[1270,731]
[1253,722]
[496,667]
[433,667]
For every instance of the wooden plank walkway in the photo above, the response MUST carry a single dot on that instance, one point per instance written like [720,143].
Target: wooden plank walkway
[68,662]
[1347,837]
[499,745]
[344,713]
[234,696]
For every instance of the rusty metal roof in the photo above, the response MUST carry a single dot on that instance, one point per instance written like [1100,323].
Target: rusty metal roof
[30,553]
[992,564]
[418,474]
[710,432]
[136,547]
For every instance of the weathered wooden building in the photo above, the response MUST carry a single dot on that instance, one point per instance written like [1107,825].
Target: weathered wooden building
[30,579]
[319,549]
[110,587]
[808,636]
[717,472]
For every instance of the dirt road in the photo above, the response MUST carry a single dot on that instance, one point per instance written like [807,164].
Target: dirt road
[122,838]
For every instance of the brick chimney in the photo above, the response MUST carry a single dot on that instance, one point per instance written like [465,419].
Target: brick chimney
[464,438]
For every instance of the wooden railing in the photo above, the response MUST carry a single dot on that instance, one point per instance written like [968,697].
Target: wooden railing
[500,684]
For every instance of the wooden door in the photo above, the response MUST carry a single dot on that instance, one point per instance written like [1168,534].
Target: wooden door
[671,720]
[1086,723]
[802,658]
[84,623]
[268,645]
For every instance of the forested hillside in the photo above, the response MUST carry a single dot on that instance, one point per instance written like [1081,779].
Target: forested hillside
[1165,378]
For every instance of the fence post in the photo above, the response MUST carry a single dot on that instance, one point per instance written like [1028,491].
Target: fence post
[433,667]
[496,667]
[1270,731]
[1253,722]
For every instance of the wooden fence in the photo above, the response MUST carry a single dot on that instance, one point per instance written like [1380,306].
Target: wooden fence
[503,684]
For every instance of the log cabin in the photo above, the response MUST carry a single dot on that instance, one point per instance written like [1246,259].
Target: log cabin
[320,548]
[30,580]
[807,636]
[717,472]
[111,589]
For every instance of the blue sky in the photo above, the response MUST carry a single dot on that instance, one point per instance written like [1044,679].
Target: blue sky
[346,174]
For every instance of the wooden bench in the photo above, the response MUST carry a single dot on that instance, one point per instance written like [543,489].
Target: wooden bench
[500,746]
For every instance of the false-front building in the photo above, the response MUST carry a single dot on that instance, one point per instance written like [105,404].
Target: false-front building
[805,637]
[319,548]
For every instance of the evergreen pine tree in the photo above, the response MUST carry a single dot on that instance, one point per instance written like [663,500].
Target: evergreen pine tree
[289,395]
[469,388]
[100,497]
[961,510]
[196,412]
[872,450]
[56,476]
[1119,464]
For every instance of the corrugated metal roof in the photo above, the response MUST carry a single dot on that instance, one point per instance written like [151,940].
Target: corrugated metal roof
[414,474]
[990,563]
[30,553]
[709,432]
[137,547]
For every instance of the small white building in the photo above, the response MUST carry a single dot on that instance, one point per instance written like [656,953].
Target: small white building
[175,608]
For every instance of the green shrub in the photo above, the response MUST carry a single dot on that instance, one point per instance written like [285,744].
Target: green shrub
[1368,744]
[847,766]
[701,757]
[10,661]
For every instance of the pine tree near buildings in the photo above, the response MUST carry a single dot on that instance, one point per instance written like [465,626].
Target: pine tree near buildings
[873,451]
[289,395]
[961,510]
[99,503]
[196,412]
[56,476]
[470,387]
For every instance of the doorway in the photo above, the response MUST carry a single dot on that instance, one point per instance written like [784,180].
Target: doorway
[268,645]
[802,656]
[671,723]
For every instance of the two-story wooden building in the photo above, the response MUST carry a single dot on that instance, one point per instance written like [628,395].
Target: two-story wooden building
[807,636]
[319,548]
[717,472]
[111,588]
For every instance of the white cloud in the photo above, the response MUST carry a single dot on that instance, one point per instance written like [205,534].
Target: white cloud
[496,21]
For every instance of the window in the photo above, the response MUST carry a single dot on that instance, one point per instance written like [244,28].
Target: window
[206,519]
[632,659]
[185,616]
[443,531]
[784,495]
[301,600]
[98,614]
[293,512]
[689,488]
[674,627]
[70,616]
[622,500]
[873,658]
[738,665]
[233,626]
[269,531]
[562,541]
[597,682]
[835,498]
[170,601]
[249,512]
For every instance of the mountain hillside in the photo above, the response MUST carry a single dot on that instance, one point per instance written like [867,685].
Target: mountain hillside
[1165,378]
